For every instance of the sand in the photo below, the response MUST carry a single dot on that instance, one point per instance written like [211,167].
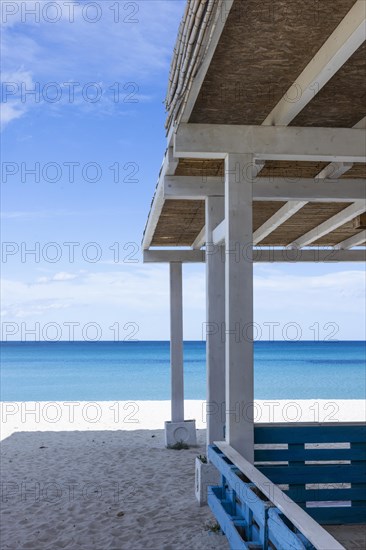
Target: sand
[150,415]
[100,480]
[101,490]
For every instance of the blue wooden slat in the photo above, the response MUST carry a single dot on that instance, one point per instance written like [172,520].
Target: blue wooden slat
[309,473]
[237,524]
[226,523]
[283,455]
[358,445]
[240,523]
[296,448]
[319,433]
[250,506]
[338,515]
[296,474]
[309,495]
[255,534]
[243,490]
[280,534]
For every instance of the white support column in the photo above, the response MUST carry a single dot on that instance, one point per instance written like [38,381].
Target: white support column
[239,172]
[178,430]
[215,317]
[176,342]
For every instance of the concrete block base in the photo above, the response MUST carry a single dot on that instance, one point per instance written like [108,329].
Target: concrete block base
[205,474]
[184,431]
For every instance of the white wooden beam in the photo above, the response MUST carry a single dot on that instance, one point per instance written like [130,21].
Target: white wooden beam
[239,428]
[200,239]
[218,234]
[166,256]
[192,188]
[337,169]
[271,142]
[362,123]
[262,255]
[215,320]
[355,240]
[170,162]
[168,167]
[334,170]
[278,218]
[310,190]
[330,225]
[314,255]
[336,50]
[268,189]
[176,342]
[307,189]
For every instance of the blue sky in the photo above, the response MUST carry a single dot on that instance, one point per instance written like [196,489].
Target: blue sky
[94,134]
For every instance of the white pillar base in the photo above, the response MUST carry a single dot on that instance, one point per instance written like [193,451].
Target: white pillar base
[205,474]
[184,431]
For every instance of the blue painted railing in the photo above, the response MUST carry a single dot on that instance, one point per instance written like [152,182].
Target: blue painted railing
[312,468]
[249,520]
[293,456]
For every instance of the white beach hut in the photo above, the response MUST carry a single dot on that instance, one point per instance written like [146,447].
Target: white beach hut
[265,162]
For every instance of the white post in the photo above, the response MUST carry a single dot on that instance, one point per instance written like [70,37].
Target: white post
[176,342]
[177,430]
[239,170]
[215,317]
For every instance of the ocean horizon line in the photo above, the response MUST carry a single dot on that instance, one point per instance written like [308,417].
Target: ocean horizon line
[167,341]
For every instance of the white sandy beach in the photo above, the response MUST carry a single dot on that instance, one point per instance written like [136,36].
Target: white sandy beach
[99,480]
[150,415]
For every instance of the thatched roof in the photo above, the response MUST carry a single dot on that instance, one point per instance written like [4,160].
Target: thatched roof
[263,48]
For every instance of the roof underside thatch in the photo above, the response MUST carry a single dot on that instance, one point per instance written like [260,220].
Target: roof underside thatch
[263,48]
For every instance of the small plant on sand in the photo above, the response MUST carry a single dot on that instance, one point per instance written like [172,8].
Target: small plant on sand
[202,458]
[178,446]
[213,527]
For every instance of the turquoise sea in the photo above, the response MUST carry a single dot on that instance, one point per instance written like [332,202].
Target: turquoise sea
[64,371]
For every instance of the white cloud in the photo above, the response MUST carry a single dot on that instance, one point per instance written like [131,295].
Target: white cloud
[34,309]
[12,107]
[9,112]
[63,276]
[24,216]
[327,291]
[112,50]
[140,294]
[60,277]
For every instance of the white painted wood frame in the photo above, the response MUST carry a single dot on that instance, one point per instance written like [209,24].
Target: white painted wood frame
[268,189]
[239,428]
[263,255]
[176,342]
[331,224]
[215,321]
[215,141]
[355,240]
[168,167]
